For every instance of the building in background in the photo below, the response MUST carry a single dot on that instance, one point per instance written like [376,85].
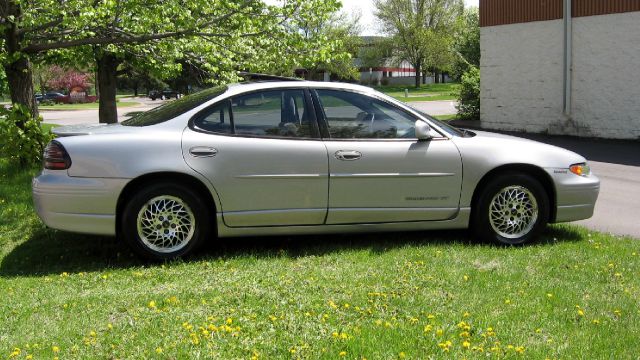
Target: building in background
[573,72]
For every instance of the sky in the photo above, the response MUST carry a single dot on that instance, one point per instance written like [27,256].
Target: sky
[367,19]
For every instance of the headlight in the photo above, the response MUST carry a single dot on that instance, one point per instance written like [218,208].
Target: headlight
[580,169]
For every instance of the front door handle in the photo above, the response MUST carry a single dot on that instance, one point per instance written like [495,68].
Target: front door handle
[203,151]
[348,155]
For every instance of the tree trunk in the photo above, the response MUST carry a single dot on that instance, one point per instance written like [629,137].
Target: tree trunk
[418,75]
[20,79]
[107,66]
[136,85]
[19,72]
[436,77]
[443,77]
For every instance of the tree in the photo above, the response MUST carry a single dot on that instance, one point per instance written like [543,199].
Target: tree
[420,29]
[228,34]
[467,42]
[343,31]
[68,79]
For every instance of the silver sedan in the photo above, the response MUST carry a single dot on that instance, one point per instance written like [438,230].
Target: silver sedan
[297,157]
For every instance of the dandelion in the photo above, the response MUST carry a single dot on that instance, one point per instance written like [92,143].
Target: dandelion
[507,301]
[109,326]
[596,322]
[617,313]
[15,352]
[152,304]
[466,314]
[55,349]
[580,312]
[378,322]
[402,355]
[428,328]
[29,357]
[466,277]
[431,316]
[520,350]
[466,344]
[229,321]
[439,332]
[159,350]
[549,295]
[343,353]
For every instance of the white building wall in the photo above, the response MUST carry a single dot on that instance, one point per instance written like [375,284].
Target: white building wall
[522,77]
[606,75]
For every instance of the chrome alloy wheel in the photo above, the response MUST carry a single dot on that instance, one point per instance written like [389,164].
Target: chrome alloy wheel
[165,224]
[513,212]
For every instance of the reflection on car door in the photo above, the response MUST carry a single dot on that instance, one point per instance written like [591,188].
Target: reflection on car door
[378,172]
[264,158]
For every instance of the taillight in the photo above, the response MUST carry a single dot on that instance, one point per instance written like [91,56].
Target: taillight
[55,157]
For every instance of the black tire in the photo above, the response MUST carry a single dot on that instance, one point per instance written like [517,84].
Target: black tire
[497,228]
[187,207]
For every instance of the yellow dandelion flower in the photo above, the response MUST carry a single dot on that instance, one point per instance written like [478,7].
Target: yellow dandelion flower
[292,350]
[428,328]
[439,332]
[580,312]
[343,336]
[152,304]
[549,295]
[431,316]
[402,355]
[55,349]
[466,344]
[335,334]
[15,352]
[520,350]
[617,312]
[29,357]
[466,277]
[507,301]
[342,353]
[159,350]
[378,322]
[229,321]
[109,326]
[466,314]
[596,322]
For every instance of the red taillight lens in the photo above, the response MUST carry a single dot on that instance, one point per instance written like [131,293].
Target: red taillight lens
[55,157]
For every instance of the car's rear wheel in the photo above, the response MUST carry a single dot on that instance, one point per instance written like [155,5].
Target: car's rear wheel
[512,209]
[165,221]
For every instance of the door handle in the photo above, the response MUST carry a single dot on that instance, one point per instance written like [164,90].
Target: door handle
[348,155]
[203,151]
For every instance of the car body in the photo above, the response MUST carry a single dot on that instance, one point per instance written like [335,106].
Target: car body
[50,96]
[298,157]
[164,94]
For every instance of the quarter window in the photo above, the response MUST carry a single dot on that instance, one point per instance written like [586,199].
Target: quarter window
[355,116]
[218,119]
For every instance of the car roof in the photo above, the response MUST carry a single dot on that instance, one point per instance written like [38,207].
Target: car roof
[262,85]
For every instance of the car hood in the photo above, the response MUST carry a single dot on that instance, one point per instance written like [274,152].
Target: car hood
[504,149]
[90,129]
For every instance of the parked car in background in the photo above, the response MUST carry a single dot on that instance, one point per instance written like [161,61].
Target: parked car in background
[50,96]
[164,94]
[299,157]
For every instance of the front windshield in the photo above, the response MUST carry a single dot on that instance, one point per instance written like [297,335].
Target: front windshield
[174,108]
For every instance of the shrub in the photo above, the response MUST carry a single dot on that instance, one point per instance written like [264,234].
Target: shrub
[469,97]
[21,136]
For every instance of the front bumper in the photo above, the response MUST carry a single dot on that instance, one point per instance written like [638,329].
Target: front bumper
[82,205]
[575,195]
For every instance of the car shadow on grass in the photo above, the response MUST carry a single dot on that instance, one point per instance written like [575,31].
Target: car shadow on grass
[53,252]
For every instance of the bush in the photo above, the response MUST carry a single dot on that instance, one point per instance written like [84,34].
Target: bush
[469,97]
[22,140]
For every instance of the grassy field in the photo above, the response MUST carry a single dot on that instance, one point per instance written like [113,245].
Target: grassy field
[85,106]
[430,92]
[574,294]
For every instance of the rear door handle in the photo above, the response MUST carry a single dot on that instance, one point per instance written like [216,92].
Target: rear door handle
[348,155]
[203,151]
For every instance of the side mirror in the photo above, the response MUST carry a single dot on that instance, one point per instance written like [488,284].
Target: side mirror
[423,130]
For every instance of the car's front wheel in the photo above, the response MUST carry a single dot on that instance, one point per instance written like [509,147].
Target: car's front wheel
[512,209]
[165,221]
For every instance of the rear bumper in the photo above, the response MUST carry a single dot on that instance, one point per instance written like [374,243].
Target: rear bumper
[82,205]
[575,196]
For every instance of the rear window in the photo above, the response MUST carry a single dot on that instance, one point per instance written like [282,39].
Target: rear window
[172,109]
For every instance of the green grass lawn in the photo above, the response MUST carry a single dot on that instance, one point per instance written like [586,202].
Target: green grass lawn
[429,92]
[85,106]
[574,294]
[445,117]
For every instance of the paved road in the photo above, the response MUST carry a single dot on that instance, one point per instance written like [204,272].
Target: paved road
[436,108]
[74,117]
[617,164]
